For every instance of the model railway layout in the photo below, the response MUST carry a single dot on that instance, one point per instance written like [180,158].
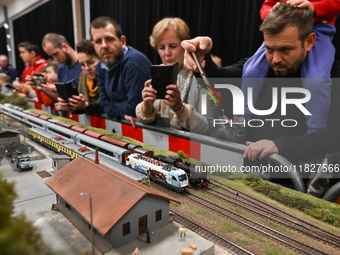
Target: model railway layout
[174,174]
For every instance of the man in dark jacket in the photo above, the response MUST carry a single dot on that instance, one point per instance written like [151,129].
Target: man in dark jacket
[122,71]
[6,68]
[286,50]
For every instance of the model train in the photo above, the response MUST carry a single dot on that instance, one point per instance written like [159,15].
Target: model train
[166,174]
[64,146]
[117,158]
[66,129]
[90,138]
[198,179]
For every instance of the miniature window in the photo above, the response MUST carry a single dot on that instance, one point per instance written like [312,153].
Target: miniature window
[126,229]
[158,215]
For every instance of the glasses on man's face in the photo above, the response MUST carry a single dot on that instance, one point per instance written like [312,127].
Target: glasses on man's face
[89,63]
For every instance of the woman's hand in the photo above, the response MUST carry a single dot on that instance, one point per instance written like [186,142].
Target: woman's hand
[78,102]
[63,105]
[173,97]
[149,96]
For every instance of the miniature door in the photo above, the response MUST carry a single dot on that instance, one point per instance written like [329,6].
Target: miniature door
[142,225]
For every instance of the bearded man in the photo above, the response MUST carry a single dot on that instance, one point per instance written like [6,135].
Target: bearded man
[288,39]
[121,72]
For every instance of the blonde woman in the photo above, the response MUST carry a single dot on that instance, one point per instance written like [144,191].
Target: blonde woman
[181,106]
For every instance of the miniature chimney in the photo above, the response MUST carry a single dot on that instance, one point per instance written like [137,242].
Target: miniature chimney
[96,160]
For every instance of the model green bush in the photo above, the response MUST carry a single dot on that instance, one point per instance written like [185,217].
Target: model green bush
[325,215]
[182,155]
[15,100]
[253,180]
[2,96]
[273,191]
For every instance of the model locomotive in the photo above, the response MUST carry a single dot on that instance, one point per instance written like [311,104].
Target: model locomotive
[166,174]
[197,179]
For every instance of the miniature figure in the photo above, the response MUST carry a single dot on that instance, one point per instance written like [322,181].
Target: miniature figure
[148,234]
[136,252]
[182,230]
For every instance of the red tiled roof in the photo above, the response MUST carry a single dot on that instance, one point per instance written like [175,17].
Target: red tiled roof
[113,194]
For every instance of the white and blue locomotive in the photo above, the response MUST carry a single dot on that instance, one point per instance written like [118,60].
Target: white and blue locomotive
[166,174]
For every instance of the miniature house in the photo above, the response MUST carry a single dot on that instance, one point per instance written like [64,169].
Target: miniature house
[59,161]
[8,136]
[122,208]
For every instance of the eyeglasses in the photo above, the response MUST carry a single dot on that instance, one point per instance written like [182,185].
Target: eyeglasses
[89,63]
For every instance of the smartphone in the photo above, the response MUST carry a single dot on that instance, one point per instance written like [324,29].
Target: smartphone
[66,90]
[38,79]
[162,76]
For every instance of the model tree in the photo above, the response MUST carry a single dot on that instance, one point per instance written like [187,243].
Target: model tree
[17,235]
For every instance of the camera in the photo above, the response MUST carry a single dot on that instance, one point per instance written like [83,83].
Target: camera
[38,79]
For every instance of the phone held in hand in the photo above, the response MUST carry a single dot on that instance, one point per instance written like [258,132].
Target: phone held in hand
[67,90]
[162,76]
[38,79]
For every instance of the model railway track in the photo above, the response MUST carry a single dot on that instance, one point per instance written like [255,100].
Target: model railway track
[324,234]
[220,241]
[254,226]
[275,217]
